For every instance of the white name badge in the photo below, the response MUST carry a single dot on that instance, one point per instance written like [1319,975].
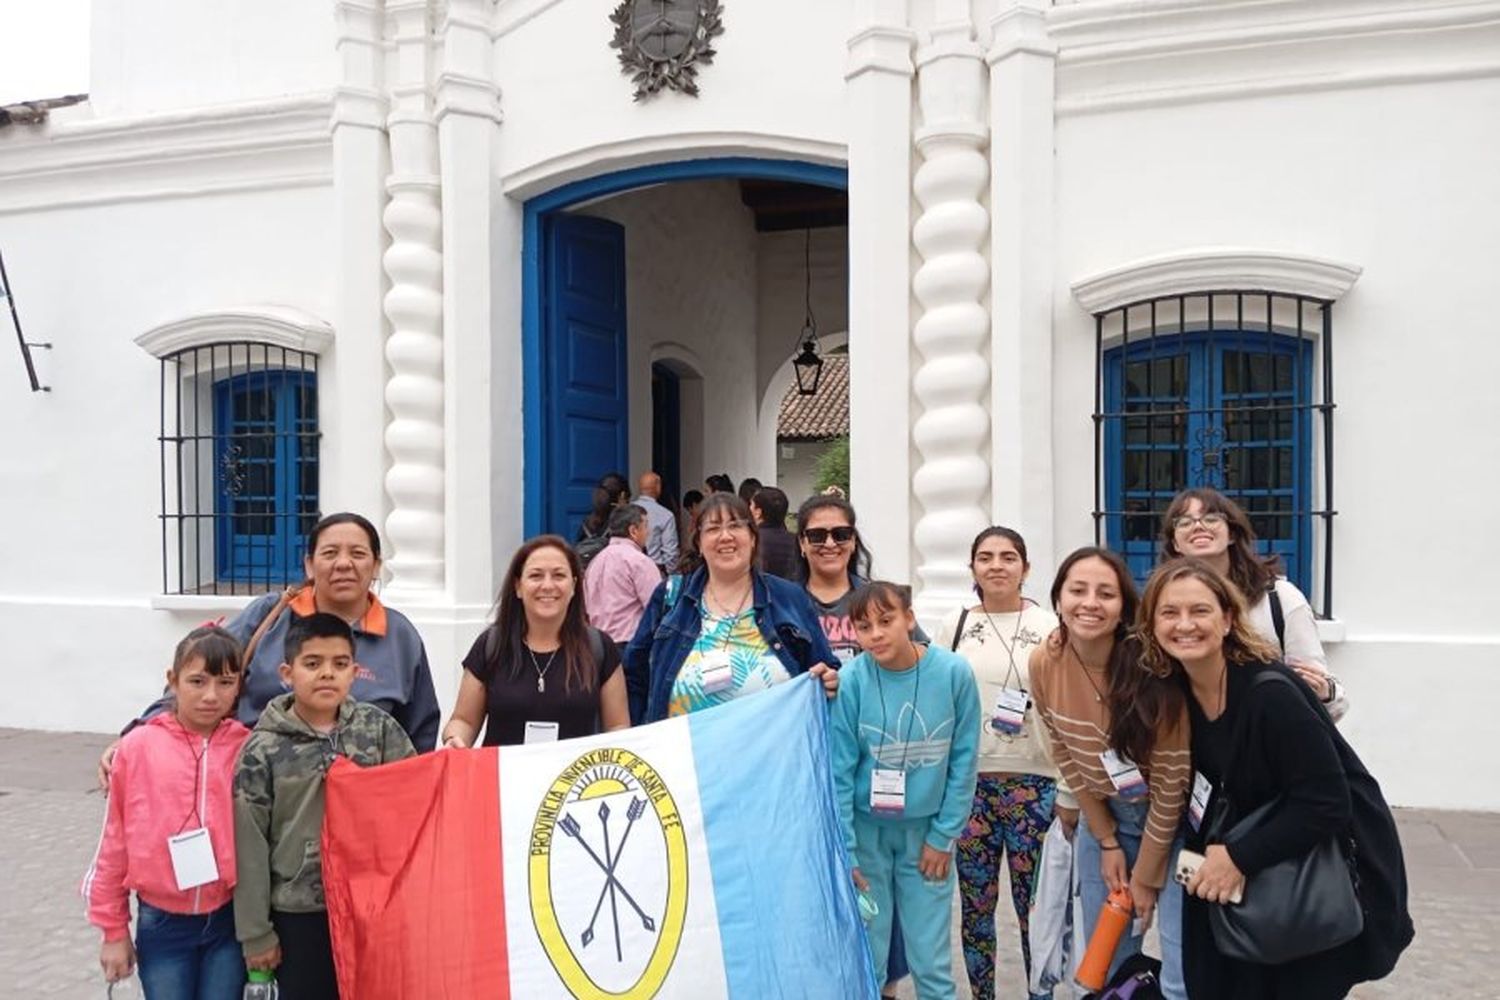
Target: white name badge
[887,791]
[845,655]
[1198,803]
[193,859]
[1123,774]
[717,671]
[541,732]
[1010,711]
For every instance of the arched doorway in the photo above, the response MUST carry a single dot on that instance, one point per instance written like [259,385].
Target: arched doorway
[588,402]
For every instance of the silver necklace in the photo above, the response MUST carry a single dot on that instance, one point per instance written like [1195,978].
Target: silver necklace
[541,671]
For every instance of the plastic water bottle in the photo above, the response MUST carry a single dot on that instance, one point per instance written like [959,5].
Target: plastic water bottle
[1114,919]
[260,984]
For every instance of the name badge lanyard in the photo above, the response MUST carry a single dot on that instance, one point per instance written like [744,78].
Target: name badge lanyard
[718,671]
[191,848]
[884,718]
[1011,671]
[197,756]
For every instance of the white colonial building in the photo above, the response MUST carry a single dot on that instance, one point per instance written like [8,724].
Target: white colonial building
[432,260]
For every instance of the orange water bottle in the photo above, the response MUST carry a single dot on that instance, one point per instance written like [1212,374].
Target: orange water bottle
[1114,920]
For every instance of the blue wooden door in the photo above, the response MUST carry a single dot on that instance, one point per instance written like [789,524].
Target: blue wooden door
[583,364]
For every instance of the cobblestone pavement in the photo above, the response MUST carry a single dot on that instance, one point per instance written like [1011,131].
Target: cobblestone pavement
[50,815]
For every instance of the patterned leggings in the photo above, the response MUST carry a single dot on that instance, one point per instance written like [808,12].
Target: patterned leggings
[1010,816]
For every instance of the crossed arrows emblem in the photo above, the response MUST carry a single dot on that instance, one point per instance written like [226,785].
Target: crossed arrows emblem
[612,885]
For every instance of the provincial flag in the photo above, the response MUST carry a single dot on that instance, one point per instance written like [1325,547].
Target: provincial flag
[697,857]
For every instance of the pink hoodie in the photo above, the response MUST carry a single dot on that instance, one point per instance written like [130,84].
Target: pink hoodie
[164,780]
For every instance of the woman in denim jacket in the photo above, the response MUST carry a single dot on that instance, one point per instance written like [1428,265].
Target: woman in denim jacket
[725,630]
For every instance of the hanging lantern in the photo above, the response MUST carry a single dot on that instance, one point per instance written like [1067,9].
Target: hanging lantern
[808,366]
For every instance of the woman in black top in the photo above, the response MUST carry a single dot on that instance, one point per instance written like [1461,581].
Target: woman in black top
[1193,626]
[539,673]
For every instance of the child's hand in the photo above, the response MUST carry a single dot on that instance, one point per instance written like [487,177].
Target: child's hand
[268,959]
[860,882]
[828,675]
[933,863]
[117,959]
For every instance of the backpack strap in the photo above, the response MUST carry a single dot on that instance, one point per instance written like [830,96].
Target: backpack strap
[253,643]
[674,591]
[1278,617]
[958,630]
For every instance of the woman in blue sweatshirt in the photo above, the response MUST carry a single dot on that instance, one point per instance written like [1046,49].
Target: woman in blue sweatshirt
[905,744]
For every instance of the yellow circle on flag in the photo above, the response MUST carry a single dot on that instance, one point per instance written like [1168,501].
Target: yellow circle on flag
[608,774]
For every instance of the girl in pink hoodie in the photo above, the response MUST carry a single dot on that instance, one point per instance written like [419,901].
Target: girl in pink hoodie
[169,834]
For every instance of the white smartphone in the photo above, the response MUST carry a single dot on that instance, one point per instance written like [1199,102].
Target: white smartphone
[1188,863]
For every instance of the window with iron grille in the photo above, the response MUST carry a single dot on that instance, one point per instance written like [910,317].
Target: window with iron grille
[239,466]
[1229,390]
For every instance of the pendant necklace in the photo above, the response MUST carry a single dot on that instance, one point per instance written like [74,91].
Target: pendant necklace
[541,671]
[1087,674]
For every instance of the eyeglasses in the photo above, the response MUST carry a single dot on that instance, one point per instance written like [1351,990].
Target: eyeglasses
[724,528]
[820,536]
[1187,522]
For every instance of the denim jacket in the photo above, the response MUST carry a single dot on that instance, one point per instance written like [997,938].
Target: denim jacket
[665,636]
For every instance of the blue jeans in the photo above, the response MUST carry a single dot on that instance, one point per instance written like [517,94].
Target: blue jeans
[184,957]
[1131,817]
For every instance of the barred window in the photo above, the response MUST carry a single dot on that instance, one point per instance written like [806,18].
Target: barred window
[1229,390]
[239,466]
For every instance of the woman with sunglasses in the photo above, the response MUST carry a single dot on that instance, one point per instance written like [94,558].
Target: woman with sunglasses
[725,629]
[1205,524]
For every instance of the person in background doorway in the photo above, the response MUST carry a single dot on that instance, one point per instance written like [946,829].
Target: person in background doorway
[540,672]
[749,486]
[611,491]
[687,524]
[778,549]
[661,523]
[718,483]
[1205,524]
[1017,782]
[1120,740]
[619,583]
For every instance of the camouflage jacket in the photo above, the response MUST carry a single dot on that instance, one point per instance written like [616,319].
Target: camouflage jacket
[278,808]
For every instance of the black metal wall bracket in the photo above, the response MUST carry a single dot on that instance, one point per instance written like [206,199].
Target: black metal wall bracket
[26,345]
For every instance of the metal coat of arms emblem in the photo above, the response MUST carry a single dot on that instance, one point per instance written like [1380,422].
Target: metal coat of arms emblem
[662,41]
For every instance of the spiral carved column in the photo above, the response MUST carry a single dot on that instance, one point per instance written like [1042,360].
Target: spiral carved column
[951,434]
[414,434]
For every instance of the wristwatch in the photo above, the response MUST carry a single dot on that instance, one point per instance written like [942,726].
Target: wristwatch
[1333,689]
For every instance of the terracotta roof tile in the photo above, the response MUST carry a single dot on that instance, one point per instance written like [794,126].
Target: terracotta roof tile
[822,416]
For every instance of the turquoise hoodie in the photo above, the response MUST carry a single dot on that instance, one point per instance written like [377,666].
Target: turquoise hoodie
[924,720]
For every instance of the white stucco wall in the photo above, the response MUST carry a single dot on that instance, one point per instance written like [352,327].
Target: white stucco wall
[795,474]
[1397,180]
[160,55]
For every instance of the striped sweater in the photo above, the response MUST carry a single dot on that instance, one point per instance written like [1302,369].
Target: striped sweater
[1077,724]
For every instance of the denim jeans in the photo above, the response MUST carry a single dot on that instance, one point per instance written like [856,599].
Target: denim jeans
[1131,817]
[188,957]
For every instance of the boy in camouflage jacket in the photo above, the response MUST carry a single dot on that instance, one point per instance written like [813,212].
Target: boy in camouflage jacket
[280,916]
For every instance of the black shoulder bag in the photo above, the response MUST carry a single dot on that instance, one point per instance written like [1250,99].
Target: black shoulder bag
[1294,908]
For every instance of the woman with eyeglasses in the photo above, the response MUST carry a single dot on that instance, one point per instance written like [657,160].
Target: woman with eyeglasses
[725,629]
[1205,524]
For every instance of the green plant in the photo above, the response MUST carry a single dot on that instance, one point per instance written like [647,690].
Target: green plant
[832,466]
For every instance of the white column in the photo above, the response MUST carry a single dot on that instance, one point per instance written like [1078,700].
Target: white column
[953,481]
[468,115]
[414,437]
[879,76]
[351,413]
[1022,59]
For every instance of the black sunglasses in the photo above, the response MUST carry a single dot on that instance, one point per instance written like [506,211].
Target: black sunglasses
[817,536]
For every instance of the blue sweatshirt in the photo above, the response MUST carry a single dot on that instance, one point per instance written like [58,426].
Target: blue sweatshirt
[928,725]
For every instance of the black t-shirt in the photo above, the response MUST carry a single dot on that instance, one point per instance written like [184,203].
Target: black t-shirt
[512,698]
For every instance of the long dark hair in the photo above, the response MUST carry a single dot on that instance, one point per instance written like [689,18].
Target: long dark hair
[1250,571]
[343,517]
[1141,705]
[859,559]
[1009,534]
[509,649]
[606,497]
[737,510]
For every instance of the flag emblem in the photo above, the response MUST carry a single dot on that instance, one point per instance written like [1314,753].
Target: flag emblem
[607,871]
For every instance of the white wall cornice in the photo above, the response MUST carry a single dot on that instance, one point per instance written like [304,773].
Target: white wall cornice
[1117,54]
[253,145]
[274,325]
[1215,269]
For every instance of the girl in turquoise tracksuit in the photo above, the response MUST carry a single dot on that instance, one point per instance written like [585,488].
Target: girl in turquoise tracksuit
[905,745]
